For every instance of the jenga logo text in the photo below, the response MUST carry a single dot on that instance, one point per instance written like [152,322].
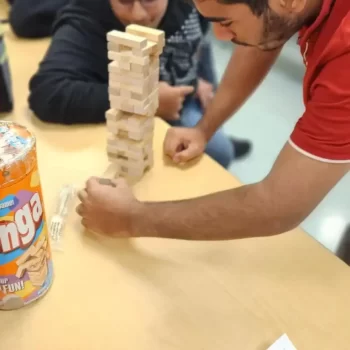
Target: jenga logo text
[21,232]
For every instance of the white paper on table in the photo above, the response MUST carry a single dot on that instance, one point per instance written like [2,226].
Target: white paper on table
[282,343]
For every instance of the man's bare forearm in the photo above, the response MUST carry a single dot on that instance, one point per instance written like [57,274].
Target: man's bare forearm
[234,214]
[245,71]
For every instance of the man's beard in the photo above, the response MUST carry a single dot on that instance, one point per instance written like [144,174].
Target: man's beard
[278,30]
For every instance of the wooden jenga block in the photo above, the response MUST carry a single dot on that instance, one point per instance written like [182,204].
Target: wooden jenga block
[154,62]
[119,48]
[151,34]
[139,97]
[127,106]
[127,39]
[128,57]
[126,144]
[114,67]
[114,114]
[149,110]
[125,65]
[133,163]
[120,71]
[126,79]
[125,94]
[112,91]
[137,88]
[116,102]
[136,170]
[138,68]
[139,106]
[114,151]
[127,128]
[124,104]
[136,135]
[150,49]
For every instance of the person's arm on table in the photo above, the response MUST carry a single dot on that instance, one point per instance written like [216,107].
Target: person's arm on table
[277,204]
[71,86]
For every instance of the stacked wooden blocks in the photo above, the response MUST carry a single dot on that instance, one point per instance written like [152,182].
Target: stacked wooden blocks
[133,96]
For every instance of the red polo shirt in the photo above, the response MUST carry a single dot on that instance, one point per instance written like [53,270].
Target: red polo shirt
[323,132]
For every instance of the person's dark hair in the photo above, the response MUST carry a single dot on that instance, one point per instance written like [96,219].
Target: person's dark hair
[258,7]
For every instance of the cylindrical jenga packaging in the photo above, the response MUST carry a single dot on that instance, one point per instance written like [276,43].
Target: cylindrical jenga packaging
[25,258]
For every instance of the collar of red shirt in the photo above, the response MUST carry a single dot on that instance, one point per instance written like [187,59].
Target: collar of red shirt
[306,31]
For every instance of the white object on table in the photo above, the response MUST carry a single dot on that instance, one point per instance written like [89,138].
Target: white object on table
[58,220]
[282,343]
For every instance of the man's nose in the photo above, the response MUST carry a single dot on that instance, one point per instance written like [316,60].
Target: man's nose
[221,32]
[138,14]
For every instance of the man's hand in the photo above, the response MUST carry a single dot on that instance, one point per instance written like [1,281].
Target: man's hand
[184,144]
[171,99]
[205,92]
[107,208]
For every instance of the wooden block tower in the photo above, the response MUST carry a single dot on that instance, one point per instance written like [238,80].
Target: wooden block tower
[133,96]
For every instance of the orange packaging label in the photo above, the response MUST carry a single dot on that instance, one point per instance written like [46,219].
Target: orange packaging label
[25,256]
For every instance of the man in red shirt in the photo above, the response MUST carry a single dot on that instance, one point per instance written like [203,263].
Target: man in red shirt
[314,159]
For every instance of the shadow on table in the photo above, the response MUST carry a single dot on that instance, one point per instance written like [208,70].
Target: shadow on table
[343,251]
[124,252]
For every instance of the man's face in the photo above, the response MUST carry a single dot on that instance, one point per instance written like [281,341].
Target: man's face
[147,13]
[268,31]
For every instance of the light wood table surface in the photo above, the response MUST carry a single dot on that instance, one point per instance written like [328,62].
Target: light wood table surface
[153,294]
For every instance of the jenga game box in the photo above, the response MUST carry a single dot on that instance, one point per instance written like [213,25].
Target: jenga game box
[25,256]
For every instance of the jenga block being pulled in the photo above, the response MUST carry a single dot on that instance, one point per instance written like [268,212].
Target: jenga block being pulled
[127,39]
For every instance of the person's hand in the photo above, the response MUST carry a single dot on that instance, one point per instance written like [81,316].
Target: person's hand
[205,92]
[107,207]
[171,99]
[184,144]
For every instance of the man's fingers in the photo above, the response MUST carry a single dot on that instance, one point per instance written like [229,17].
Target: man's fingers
[82,195]
[188,153]
[174,117]
[185,89]
[85,223]
[80,209]
[171,143]
[91,183]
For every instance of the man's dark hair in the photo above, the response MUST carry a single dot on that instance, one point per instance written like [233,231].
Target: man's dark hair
[258,7]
